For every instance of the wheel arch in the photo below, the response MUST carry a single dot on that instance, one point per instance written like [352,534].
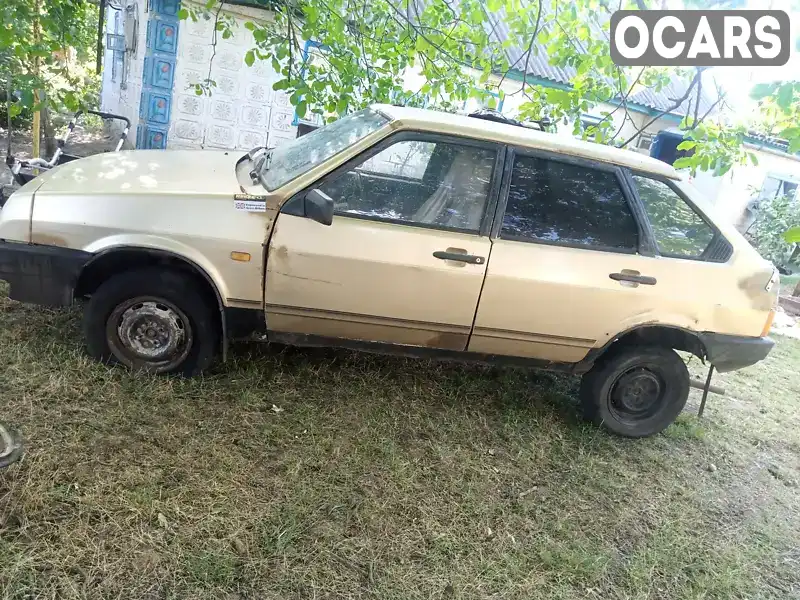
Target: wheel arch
[117,259]
[665,336]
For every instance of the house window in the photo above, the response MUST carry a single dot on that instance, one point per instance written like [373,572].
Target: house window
[775,186]
[588,121]
[645,141]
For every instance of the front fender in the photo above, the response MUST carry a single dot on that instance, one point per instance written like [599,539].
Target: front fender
[162,244]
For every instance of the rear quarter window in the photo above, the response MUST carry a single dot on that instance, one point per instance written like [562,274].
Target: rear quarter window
[679,230]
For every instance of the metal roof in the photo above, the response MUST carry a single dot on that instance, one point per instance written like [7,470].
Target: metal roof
[537,64]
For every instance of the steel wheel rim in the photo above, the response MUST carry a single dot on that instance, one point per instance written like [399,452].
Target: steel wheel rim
[7,442]
[149,333]
[636,395]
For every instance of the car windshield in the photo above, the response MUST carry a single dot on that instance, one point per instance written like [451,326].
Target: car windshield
[303,154]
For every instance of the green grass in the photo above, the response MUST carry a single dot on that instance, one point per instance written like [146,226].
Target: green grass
[382,478]
[788,282]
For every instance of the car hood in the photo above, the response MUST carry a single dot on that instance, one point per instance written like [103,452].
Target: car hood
[167,172]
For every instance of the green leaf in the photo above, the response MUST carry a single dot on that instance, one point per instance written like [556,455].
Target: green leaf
[280,85]
[183,14]
[249,25]
[14,110]
[792,236]
[687,145]
[762,90]
[494,5]
[249,58]
[753,158]
[301,109]
[27,97]
[686,161]
[785,96]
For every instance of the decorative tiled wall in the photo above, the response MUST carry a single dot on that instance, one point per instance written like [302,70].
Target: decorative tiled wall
[242,111]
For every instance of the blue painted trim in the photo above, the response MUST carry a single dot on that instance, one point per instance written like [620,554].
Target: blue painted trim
[516,75]
[306,47]
[158,74]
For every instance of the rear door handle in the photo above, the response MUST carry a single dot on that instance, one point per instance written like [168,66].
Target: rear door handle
[460,257]
[633,278]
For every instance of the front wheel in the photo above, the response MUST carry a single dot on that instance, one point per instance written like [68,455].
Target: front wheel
[636,392]
[154,320]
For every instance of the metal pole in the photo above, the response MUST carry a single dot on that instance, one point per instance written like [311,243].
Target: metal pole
[705,392]
[100,20]
[36,114]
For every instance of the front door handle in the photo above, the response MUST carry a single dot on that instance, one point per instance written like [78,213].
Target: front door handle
[633,277]
[460,257]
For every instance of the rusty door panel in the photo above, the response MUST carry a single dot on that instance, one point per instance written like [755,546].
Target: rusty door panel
[372,281]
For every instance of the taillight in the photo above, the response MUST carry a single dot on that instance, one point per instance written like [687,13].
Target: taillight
[768,324]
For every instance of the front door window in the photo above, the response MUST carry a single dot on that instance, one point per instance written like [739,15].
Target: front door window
[433,184]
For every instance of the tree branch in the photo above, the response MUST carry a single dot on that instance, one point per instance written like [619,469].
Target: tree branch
[530,45]
[677,103]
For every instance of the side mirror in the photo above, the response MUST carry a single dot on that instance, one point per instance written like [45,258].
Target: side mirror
[318,206]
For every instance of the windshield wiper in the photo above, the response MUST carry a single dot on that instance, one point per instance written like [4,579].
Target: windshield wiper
[261,157]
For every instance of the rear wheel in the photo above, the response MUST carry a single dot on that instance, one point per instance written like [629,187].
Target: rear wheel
[637,391]
[154,320]
[10,446]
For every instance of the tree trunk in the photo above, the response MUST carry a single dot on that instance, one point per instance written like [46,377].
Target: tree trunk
[49,134]
[796,291]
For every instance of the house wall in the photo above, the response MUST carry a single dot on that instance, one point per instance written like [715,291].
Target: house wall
[122,71]
[242,111]
[156,90]
[743,182]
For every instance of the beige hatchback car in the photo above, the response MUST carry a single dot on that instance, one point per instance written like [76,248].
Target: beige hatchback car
[405,231]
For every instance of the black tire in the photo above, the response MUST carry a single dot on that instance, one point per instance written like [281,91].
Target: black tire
[168,305]
[10,446]
[636,391]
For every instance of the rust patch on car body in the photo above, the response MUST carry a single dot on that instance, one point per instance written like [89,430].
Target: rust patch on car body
[281,252]
[448,341]
[754,286]
[48,240]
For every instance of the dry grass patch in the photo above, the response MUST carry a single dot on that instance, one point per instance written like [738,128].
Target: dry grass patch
[381,478]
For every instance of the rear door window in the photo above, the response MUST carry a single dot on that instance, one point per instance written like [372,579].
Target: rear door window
[561,203]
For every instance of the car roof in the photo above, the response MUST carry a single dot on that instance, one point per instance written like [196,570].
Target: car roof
[442,122]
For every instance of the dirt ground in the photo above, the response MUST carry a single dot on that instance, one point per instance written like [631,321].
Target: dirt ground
[322,474]
[82,142]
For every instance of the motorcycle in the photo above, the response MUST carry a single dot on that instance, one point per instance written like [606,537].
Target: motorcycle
[24,171]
